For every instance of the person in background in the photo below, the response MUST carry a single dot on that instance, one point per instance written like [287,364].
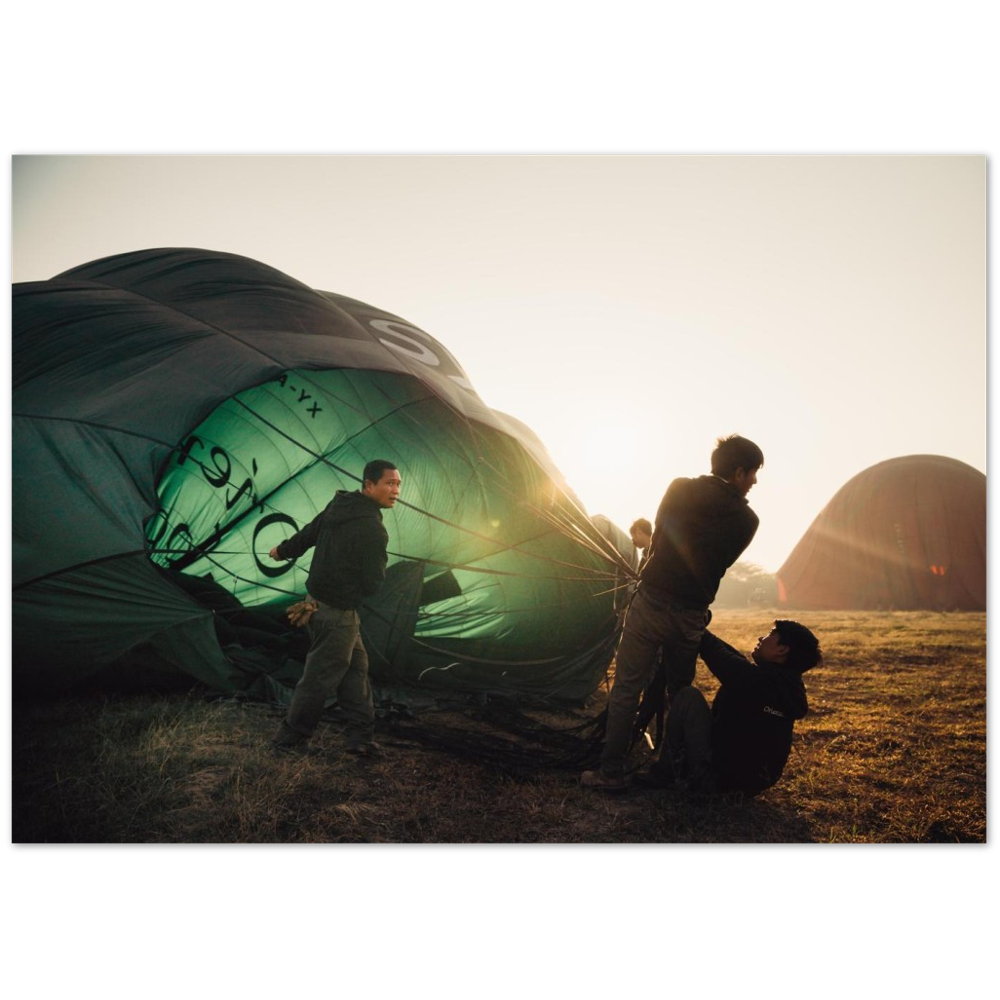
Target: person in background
[641,534]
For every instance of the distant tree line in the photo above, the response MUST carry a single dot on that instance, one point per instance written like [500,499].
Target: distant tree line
[747,585]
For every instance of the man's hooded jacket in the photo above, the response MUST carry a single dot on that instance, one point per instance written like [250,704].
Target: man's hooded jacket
[753,713]
[350,558]
[702,527]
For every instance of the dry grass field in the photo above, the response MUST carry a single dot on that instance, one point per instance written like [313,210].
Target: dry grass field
[893,750]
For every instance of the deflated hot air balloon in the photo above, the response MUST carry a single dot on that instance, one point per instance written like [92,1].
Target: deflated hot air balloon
[179,412]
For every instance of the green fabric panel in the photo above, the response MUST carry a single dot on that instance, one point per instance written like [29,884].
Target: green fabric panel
[78,506]
[530,587]
[107,609]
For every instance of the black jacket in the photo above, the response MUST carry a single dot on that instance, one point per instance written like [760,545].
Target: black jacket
[702,527]
[350,558]
[753,715]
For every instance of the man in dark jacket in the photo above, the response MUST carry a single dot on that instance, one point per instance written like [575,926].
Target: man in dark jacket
[702,527]
[348,566]
[742,743]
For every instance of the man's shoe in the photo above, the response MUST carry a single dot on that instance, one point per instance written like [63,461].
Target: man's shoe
[596,779]
[655,777]
[369,749]
[288,740]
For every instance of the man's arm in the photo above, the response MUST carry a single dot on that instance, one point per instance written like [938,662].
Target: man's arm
[735,537]
[727,663]
[370,546]
[749,531]
[672,499]
[301,541]
[664,513]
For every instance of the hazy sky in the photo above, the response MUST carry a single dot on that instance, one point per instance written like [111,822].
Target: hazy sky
[630,309]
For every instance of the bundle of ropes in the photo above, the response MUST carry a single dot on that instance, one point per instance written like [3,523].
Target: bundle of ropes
[509,741]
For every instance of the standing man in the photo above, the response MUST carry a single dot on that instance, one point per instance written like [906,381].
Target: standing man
[348,566]
[702,527]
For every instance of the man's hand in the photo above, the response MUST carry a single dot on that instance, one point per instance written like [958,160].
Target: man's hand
[274,554]
[301,611]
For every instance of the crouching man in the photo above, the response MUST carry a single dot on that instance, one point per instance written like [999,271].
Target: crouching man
[742,743]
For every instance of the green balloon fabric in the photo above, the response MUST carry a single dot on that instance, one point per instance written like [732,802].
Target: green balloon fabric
[179,412]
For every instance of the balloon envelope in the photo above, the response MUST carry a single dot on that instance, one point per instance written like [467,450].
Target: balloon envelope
[179,412]
[905,534]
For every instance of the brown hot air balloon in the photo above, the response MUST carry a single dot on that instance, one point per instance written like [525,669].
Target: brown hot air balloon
[905,534]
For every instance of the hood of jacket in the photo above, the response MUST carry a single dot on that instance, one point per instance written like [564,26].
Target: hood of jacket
[789,689]
[349,505]
[710,493]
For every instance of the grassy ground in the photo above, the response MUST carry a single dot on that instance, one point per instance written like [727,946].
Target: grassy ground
[893,750]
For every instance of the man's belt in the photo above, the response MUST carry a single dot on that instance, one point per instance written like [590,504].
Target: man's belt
[660,600]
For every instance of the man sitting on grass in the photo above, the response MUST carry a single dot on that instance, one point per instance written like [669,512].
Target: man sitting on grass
[742,743]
